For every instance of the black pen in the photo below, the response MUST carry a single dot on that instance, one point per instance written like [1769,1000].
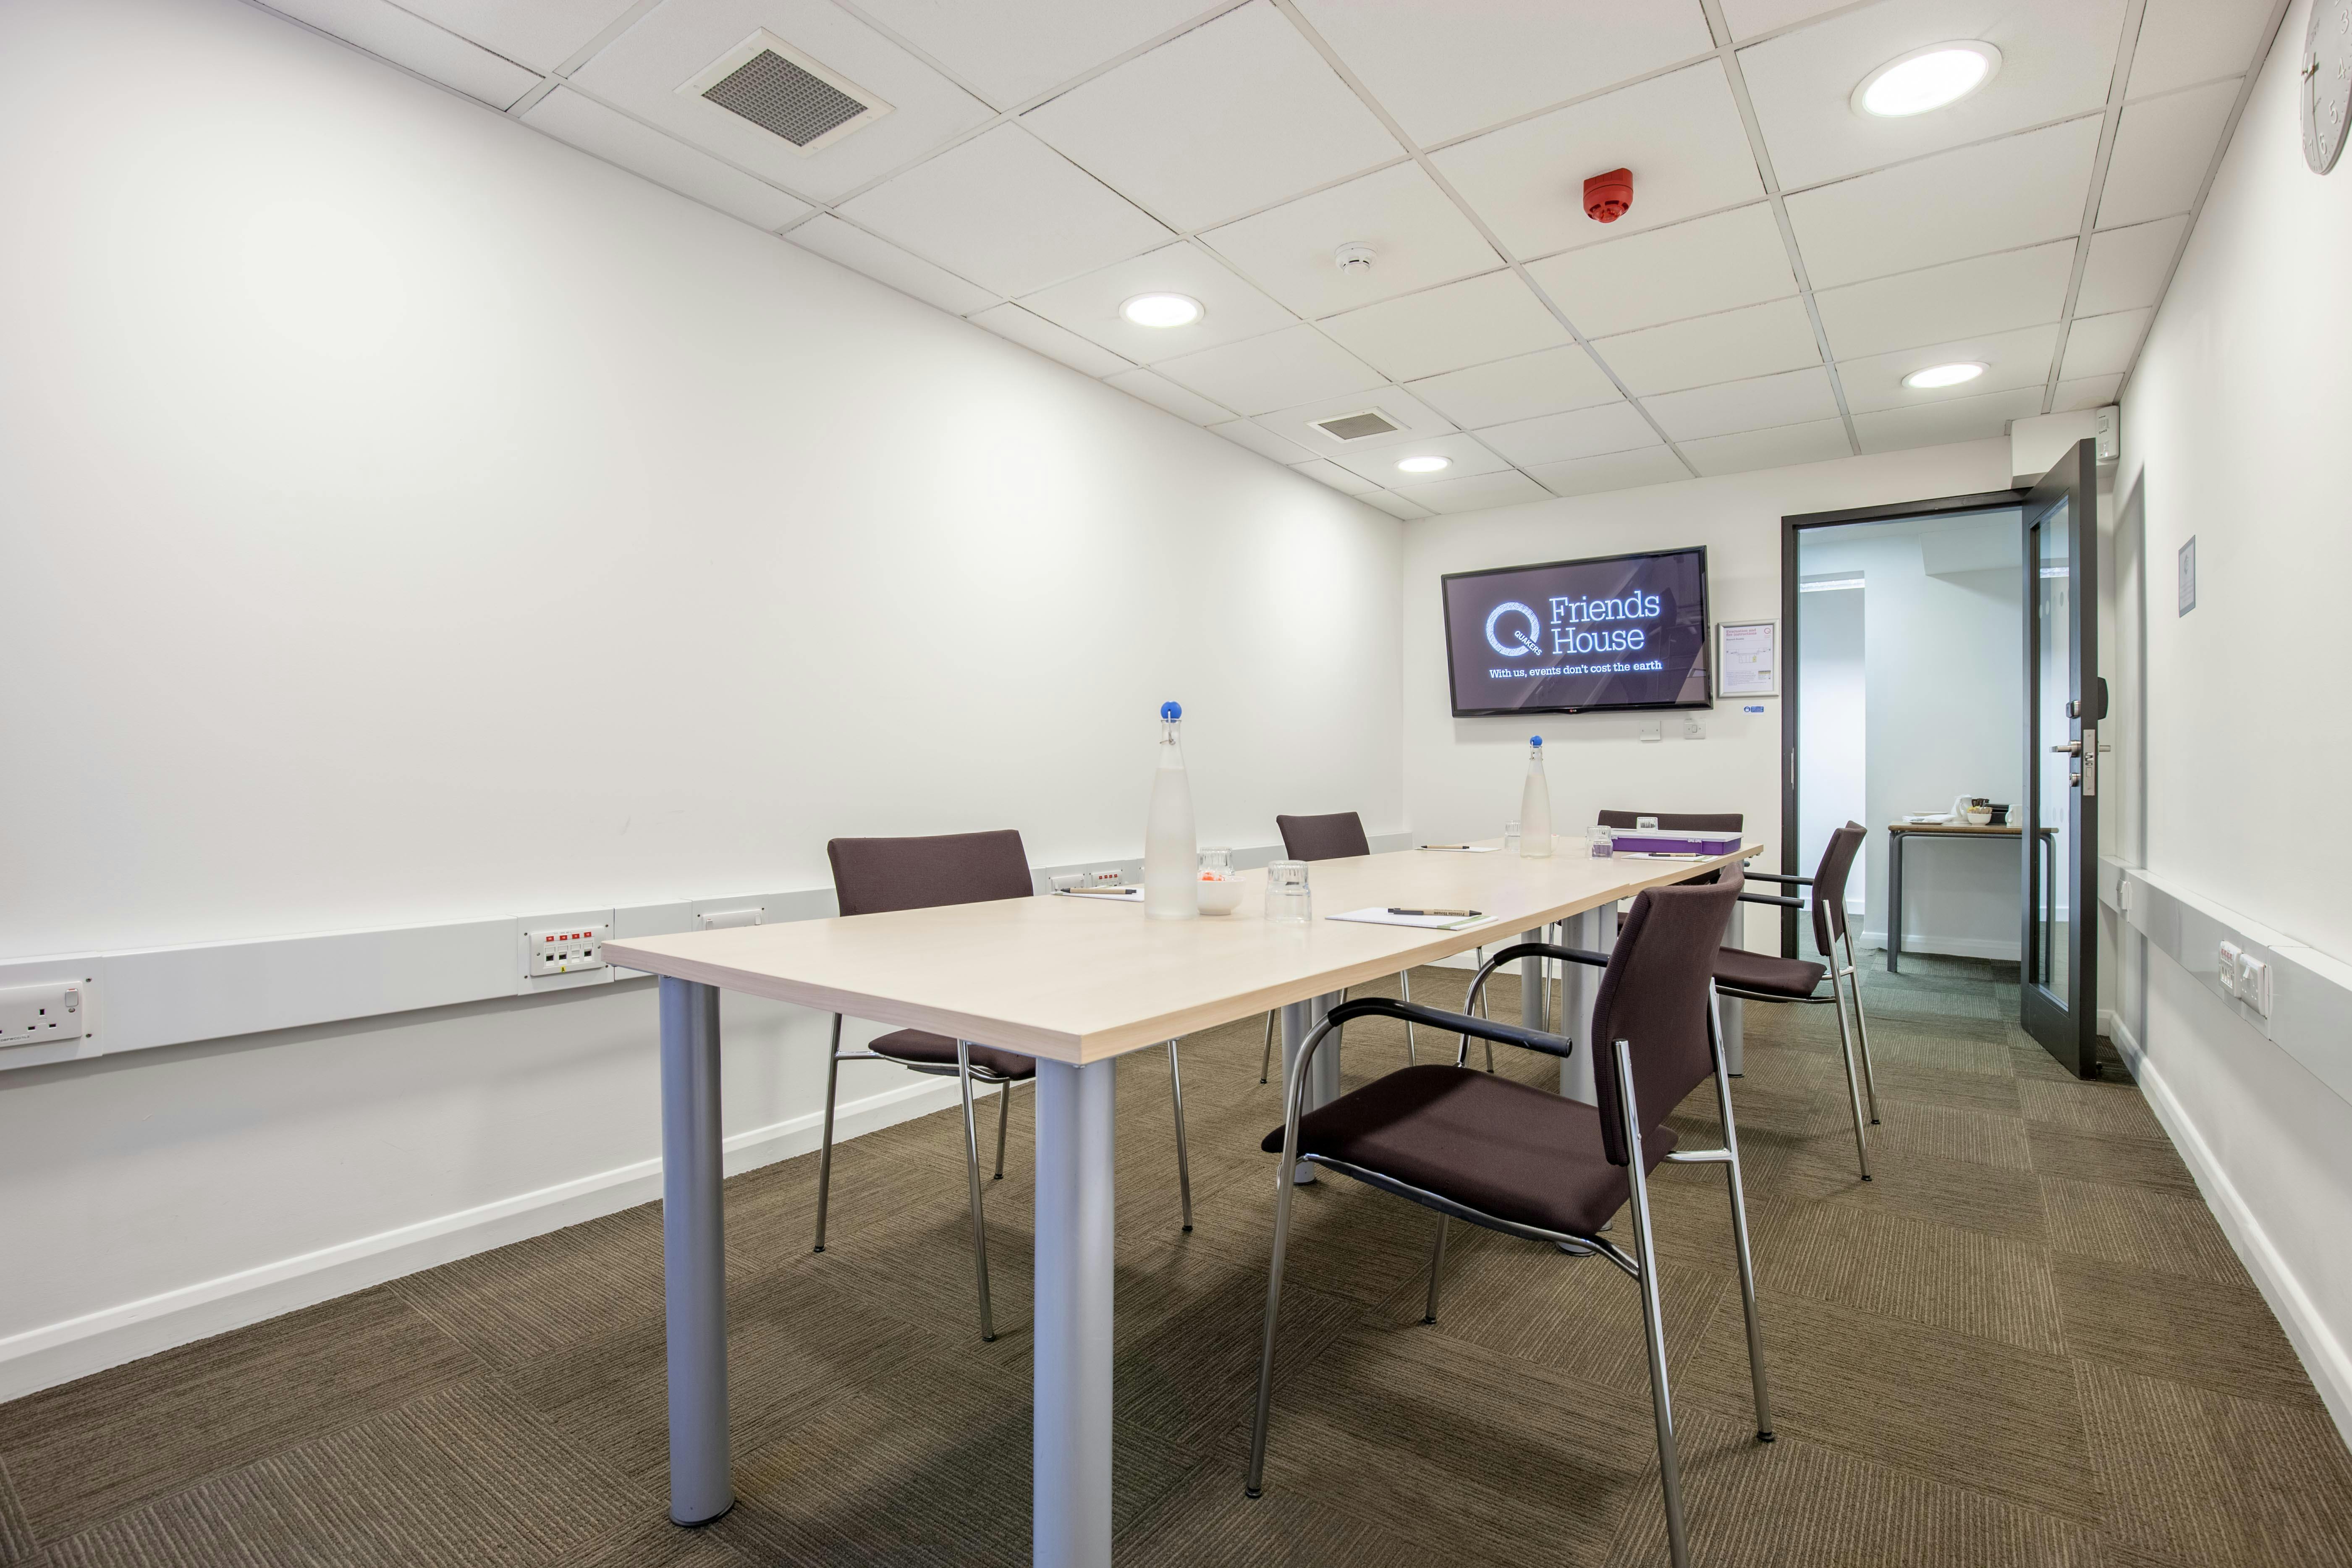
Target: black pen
[1397,911]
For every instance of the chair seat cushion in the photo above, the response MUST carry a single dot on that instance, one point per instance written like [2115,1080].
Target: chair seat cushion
[1489,1143]
[917,1048]
[1774,976]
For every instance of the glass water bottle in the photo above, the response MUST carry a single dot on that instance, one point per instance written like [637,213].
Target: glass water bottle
[1170,857]
[1534,806]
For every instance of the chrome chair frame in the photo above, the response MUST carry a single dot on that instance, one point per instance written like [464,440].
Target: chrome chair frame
[1866,1085]
[1641,1266]
[1412,1054]
[966,1074]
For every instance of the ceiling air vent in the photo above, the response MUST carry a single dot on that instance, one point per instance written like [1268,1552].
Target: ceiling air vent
[767,81]
[1357,427]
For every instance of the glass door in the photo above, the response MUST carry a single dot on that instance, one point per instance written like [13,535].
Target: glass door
[2064,701]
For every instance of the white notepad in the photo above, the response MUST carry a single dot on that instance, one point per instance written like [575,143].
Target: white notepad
[1381,917]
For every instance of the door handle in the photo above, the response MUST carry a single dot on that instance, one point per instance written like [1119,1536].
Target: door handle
[2072,748]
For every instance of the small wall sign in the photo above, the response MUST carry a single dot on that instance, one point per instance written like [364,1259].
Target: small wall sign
[2188,575]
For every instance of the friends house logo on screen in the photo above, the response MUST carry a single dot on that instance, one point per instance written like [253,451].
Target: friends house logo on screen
[1514,631]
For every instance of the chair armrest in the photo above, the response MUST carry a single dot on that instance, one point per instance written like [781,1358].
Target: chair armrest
[1452,1023]
[1772,899]
[1775,877]
[1547,950]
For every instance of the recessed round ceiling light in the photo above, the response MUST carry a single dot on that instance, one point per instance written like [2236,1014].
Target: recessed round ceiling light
[1427,465]
[1926,79]
[1162,309]
[1936,376]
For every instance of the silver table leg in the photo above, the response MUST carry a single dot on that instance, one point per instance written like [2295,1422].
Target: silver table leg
[1070,1489]
[1534,991]
[693,1256]
[1595,930]
[1298,1021]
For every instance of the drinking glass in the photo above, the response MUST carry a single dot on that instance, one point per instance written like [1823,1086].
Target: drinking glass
[1216,865]
[1287,900]
[1510,839]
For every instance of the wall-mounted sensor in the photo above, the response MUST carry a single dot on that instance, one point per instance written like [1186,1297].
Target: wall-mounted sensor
[1609,197]
[1355,260]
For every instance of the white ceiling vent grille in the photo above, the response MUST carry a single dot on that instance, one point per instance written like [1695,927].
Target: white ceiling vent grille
[767,81]
[1357,427]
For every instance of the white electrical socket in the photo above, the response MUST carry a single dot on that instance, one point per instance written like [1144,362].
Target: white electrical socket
[2226,967]
[727,919]
[33,1015]
[2254,986]
[1693,730]
[570,950]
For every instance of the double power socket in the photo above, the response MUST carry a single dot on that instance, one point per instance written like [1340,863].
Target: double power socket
[2246,977]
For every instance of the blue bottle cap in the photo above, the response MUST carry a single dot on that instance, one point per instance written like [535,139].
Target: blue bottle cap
[1535,739]
[1172,711]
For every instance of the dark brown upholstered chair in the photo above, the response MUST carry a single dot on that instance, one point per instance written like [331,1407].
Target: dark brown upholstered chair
[876,876]
[1516,1159]
[1336,835]
[1767,977]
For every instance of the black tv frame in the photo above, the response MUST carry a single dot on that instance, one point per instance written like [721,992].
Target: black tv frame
[1707,652]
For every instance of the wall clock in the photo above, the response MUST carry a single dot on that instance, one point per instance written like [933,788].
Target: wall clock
[2326,82]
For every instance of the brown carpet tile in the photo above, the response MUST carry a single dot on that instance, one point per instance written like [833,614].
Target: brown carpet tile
[2026,1345]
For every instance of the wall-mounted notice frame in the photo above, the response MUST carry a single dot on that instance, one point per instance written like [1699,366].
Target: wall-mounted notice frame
[1747,658]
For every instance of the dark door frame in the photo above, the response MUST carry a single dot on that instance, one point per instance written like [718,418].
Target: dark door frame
[1791,526]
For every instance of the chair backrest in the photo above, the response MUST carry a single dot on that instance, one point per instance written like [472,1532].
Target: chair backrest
[1829,884]
[1679,821]
[1332,837]
[871,876]
[1653,996]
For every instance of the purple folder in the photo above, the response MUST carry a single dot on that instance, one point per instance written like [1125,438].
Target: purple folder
[1651,841]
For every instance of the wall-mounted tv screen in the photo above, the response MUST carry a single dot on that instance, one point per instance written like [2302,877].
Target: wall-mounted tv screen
[1580,636]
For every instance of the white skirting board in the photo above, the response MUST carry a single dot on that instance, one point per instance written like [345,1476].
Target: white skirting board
[59,1353]
[2323,1354]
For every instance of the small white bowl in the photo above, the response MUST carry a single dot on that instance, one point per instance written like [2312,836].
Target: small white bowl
[1980,818]
[1220,898]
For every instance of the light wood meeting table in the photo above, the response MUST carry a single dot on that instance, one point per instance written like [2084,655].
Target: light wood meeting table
[1074,982]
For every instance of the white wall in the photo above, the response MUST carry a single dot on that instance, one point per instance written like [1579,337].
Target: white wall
[1943,668]
[2233,433]
[1832,727]
[412,519]
[1462,775]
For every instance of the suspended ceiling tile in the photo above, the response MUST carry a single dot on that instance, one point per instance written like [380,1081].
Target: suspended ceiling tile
[1415,422]
[1007,212]
[390,33]
[1418,239]
[1009,321]
[2182,42]
[1815,441]
[1449,327]
[1614,471]
[2019,191]
[2092,391]
[1011,50]
[617,139]
[1090,305]
[1732,345]
[885,263]
[541,33]
[2057,59]
[1693,269]
[1324,472]
[2163,147]
[1264,442]
[1509,488]
[2103,345]
[1396,506]
[2128,266]
[1586,433]
[1280,370]
[1940,424]
[1792,397]
[1230,117]
[1447,70]
[1466,455]
[1746,19]
[1961,298]
[2015,359]
[1680,134]
[1552,382]
[642,71]
[1153,387]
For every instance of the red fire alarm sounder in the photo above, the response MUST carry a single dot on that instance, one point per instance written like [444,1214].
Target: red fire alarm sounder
[1607,196]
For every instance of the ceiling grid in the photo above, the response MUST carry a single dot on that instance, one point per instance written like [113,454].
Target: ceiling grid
[1786,260]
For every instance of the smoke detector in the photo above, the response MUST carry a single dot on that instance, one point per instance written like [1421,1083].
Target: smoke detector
[1360,426]
[1608,197]
[782,91]
[1354,260]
